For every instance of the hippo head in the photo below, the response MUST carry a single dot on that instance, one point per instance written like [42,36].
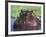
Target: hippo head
[26,12]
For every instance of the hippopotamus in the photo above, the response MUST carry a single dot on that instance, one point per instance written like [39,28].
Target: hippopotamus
[27,21]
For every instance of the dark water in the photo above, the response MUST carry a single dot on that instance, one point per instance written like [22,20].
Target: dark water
[12,23]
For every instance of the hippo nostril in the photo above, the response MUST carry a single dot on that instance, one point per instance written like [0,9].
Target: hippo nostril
[24,22]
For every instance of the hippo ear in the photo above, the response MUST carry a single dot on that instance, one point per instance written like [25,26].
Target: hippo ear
[32,11]
[20,13]
[21,10]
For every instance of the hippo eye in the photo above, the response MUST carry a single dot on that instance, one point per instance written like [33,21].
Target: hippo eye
[24,12]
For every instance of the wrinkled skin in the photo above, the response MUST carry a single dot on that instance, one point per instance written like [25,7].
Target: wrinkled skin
[27,21]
